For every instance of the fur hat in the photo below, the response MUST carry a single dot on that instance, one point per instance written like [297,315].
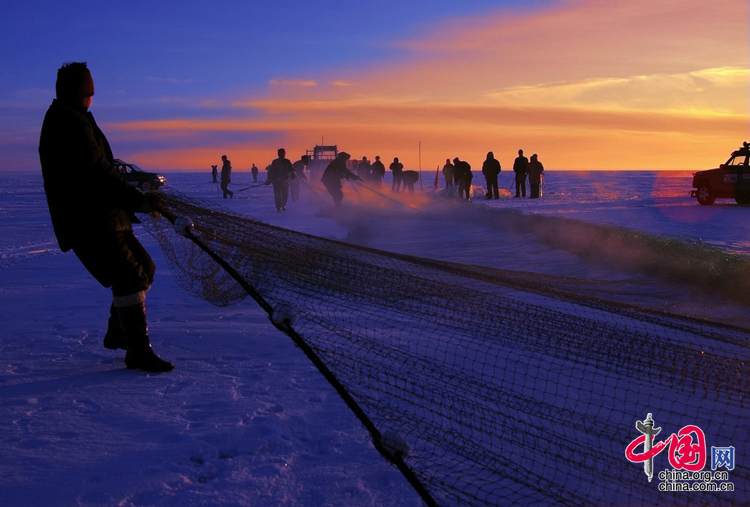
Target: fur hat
[74,81]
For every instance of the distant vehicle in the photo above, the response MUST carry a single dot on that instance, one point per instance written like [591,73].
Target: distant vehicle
[142,179]
[730,180]
[320,157]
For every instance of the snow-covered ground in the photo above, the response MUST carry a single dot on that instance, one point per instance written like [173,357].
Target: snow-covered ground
[245,418]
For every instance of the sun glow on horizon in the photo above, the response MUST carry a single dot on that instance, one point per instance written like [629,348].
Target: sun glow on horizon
[621,85]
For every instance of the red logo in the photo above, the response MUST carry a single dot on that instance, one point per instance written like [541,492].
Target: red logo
[687,449]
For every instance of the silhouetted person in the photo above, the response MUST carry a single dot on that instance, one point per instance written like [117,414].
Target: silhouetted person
[535,171]
[299,175]
[397,168]
[377,172]
[463,177]
[226,176]
[519,167]
[91,213]
[279,173]
[410,178]
[214,172]
[491,171]
[448,173]
[334,173]
[363,169]
[254,171]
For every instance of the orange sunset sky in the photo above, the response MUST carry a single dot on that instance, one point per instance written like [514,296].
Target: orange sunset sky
[586,84]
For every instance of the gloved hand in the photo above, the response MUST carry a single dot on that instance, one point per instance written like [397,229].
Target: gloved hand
[151,204]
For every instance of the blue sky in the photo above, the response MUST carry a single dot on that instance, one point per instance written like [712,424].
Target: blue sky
[251,73]
[154,59]
[199,48]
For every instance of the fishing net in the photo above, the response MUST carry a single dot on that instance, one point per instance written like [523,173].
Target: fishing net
[482,386]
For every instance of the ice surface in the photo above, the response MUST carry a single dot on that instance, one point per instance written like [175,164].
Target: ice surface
[244,418]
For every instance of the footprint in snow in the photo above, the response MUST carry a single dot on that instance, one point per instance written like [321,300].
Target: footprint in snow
[87,406]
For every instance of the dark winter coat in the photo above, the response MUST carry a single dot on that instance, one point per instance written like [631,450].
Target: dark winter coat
[377,170]
[85,194]
[462,172]
[226,172]
[535,171]
[410,177]
[491,168]
[281,171]
[335,172]
[448,171]
[363,170]
[520,165]
[299,169]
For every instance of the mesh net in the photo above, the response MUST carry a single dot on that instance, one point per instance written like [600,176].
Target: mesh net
[505,391]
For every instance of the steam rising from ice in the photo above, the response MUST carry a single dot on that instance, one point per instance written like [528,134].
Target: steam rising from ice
[510,239]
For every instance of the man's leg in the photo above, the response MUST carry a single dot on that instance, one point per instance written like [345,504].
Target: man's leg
[284,195]
[119,261]
[277,196]
[129,291]
[114,338]
[140,355]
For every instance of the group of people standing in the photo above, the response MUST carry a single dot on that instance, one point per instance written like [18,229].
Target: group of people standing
[371,172]
[459,174]
[523,168]
[285,176]
[374,173]
[94,219]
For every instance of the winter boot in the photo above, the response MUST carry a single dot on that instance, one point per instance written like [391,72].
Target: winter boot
[114,339]
[140,355]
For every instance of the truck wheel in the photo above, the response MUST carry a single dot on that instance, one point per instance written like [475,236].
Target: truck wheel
[705,194]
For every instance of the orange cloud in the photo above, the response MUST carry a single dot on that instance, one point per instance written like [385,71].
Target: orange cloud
[585,83]
[293,82]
